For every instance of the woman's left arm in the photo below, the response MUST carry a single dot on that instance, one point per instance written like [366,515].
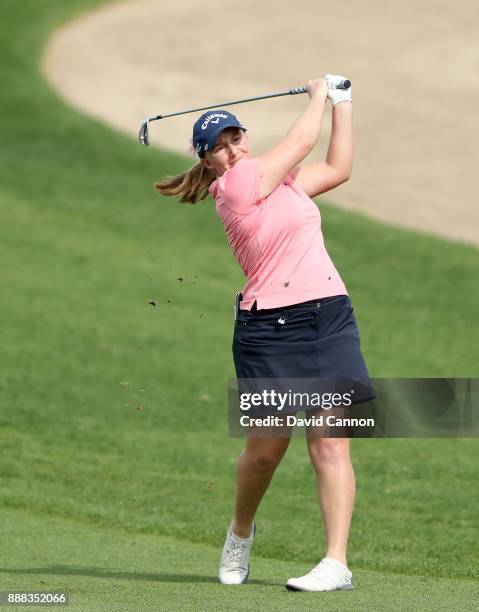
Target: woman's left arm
[319,177]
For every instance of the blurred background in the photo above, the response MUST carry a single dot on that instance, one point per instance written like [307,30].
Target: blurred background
[117,471]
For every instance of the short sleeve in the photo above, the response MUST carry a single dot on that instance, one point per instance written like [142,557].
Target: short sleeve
[239,186]
[292,174]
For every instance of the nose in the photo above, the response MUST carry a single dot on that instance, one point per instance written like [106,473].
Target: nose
[232,150]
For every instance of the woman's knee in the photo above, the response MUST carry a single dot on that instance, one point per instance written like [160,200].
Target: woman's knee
[266,457]
[327,451]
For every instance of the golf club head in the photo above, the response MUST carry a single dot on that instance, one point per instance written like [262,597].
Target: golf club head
[143,134]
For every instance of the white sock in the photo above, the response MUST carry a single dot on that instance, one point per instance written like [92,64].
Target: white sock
[235,537]
[337,564]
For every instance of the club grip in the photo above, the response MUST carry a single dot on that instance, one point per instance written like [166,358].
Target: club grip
[346,84]
[298,90]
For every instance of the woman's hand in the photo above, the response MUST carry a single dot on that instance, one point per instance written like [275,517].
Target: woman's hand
[318,88]
[337,95]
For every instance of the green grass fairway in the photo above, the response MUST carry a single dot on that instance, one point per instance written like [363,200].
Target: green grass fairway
[116,470]
[104,569]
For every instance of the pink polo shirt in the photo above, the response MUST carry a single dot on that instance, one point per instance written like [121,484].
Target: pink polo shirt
[277,240]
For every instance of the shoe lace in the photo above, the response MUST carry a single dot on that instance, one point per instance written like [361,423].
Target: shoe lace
[236,552]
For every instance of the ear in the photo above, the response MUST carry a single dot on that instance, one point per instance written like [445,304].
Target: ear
[207,163]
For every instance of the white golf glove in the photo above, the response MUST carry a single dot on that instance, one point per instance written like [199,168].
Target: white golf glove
[337,95]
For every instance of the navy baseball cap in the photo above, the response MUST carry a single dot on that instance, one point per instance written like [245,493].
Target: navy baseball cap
[209,126]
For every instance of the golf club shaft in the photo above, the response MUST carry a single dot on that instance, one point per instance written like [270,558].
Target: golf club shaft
[143,134]
[290,92]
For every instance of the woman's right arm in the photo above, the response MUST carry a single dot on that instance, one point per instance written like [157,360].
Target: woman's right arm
[275,164]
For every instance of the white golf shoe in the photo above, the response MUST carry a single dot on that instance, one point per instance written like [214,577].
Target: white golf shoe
[234,564]
[328,575]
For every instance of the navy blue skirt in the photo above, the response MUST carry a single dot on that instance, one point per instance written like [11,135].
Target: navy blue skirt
[318,339]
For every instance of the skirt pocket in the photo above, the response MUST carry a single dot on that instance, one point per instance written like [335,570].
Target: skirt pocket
[282,329]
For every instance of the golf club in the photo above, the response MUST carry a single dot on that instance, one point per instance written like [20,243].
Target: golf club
[143,134]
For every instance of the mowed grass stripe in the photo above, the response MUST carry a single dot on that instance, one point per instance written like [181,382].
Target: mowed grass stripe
[107,569]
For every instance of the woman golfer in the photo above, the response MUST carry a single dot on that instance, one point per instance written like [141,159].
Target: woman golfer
[294,316]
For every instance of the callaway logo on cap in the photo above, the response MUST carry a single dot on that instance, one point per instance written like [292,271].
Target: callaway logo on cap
[214,118]
[209,126]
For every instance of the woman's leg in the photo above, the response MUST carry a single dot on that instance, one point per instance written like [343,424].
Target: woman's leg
[336,489]
[255,468]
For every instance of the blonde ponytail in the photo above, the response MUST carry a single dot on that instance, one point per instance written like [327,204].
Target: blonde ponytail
[191,185]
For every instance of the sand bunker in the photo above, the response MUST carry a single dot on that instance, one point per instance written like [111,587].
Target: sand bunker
[414,69]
